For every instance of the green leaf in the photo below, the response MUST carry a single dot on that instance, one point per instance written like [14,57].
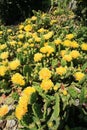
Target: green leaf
[37,110]
[54,62]
[56,110]
[73,92]
[4,87]
[21,58]
[84,67]
[63,62]
[83,95]
[15,96]
[3,84]
[27,70]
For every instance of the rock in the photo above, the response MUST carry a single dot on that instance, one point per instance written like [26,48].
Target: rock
[8,125]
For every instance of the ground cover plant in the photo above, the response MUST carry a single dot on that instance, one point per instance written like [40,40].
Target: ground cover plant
[43,72]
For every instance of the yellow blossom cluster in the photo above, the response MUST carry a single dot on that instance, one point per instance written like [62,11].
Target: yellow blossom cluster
[24,100]
[20,36]
[84,46]
[69,36]
[46,84]
[48,35]
[28,28]
[3,46]
[69,43]
[14,64]
[74,44]
[4,110]
[47,49]
[4,55]
[74,54]
[67,57]
[12,42]
[3,70]
[61,70]
[18,79]
[63,52]
[44,73]
[79,76]
[57,41]
[42,30]
[38,57]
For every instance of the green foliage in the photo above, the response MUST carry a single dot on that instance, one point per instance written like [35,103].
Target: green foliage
[49,107]
[81,11]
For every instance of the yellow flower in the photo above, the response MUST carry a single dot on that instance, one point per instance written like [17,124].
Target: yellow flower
[20,36]
[5,62]
[28,28]
[46,43]
[33,18]
[44,73]
[67,43]
[37,39]
[21,27]
[47,49]
[3,70]
[9,30]
[46,84]
[57,41]
[31,45]
[18,79]
[1,32]
[19,50]
[48,35]
[69,36]
[38,57]
[74,54]
[74,44]
[4,55]
[28,21]
[84,46]
[30,40]
[20,111]
[19,43]
[65,92]
[61,70]
[43,50]
[53,21]
[13,42]
[67,58]
[41,30]
[25,45]
[79,75]
[34,34]
[3,110]
[50,124]
[20,31]
[3,46]
[21,108]
[63,52]
[29,90]
[28,34]
[14,64]
[23,100]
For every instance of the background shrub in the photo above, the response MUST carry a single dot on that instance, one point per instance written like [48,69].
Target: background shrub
[81,11]
[13,11]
